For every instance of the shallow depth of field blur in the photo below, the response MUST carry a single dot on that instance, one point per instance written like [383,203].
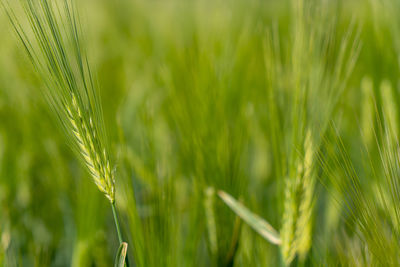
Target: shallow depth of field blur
[201,96]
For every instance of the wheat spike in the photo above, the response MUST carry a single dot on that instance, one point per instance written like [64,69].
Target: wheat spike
[57,54]
[304,224]
[288,247]
[54,47]
[297,227]
[96,162]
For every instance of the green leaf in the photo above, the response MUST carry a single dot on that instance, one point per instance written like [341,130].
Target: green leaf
[121,255]
[256,222]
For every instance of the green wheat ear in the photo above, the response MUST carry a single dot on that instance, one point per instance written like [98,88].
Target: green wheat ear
[297,219]
[97,163]
[53,44]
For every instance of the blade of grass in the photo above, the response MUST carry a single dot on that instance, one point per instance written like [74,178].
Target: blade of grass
[256,222]
[121,255]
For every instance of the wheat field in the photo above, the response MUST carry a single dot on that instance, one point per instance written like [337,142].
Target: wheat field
[199,133]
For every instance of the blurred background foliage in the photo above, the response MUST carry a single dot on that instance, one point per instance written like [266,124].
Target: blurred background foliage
[200,94]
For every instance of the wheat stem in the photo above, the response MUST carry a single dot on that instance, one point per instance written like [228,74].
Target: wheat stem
[116,222]
[119,233]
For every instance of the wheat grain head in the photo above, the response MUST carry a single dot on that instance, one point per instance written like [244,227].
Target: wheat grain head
[297,224]
[96,162]
[50,36]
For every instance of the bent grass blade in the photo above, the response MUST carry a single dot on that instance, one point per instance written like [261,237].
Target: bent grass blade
[256,222]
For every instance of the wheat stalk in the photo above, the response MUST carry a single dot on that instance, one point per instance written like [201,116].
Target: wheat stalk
[53,45]
[55,50]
